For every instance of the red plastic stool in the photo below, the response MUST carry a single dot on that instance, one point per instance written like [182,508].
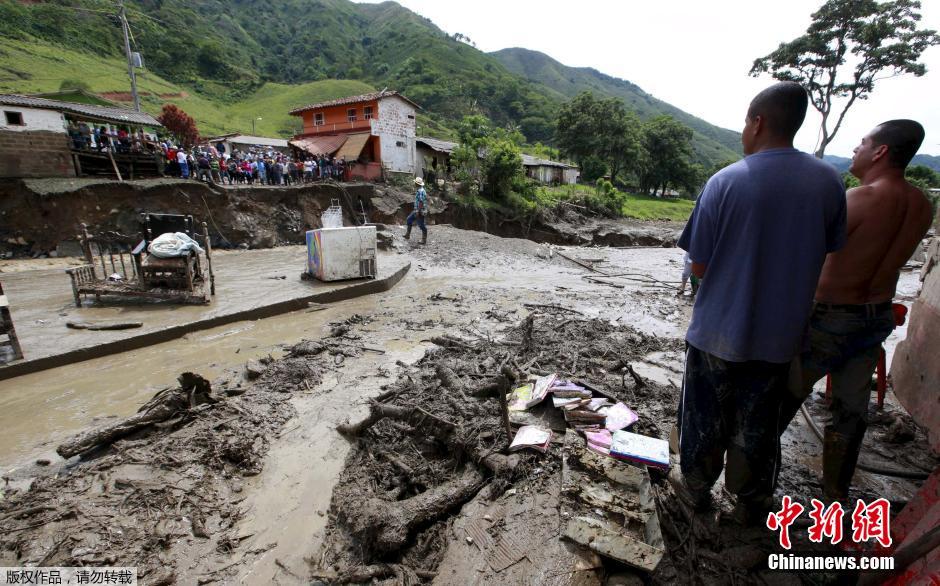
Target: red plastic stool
[900,316]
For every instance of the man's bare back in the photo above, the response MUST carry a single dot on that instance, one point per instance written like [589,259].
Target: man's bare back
[886,220]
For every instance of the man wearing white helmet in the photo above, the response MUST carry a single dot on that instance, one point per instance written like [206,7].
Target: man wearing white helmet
[421,204]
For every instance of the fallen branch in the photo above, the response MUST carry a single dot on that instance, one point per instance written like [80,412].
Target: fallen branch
[549,306]
[101,326]
[385,526]
[194,390]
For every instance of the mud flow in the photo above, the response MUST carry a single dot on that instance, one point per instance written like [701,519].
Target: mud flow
[364,441]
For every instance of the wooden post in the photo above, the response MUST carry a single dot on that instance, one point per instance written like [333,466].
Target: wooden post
[114,165]
[205,235]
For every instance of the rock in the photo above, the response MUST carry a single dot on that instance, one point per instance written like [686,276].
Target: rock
[254,369]
[43,462]
[900,431]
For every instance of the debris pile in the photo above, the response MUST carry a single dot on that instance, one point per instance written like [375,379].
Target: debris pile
[438,438]
[165,479]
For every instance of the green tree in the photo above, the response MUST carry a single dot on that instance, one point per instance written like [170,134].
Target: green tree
[588,127]
[667,154]
[487,154]
[849,44]
[922,176]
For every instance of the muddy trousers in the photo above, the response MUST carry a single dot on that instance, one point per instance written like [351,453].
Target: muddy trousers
[729,410]
[420,218]
[845,341]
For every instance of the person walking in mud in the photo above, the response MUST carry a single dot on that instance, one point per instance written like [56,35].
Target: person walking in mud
[421,203]
[751,312]
[887,218]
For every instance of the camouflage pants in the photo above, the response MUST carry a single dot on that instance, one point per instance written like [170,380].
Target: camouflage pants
[730,410]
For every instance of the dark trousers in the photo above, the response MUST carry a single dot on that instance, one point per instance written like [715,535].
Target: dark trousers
[420,218]
[730,410]
[845,340]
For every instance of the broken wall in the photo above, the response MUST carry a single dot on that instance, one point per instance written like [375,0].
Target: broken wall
[915,370]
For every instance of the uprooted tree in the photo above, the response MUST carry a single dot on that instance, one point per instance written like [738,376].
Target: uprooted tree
[844,50]
[180,124]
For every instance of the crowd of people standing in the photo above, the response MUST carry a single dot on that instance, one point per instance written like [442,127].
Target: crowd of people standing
[251,168]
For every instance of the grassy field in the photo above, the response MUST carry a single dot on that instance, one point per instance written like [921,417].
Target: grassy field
[32,67]
[641,207]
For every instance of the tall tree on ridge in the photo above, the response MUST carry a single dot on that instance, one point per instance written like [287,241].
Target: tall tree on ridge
[848,44]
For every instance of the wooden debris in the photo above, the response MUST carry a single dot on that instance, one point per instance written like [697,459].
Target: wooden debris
[103,326]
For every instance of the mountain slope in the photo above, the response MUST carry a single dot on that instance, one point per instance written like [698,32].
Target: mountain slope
[231,61]
[713,143]
[36,67]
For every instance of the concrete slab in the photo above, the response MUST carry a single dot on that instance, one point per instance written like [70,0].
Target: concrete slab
[250,284]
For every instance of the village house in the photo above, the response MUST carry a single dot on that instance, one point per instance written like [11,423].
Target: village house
[434,161]
[235,141]
[370,132]
[550,172]
[434,157]
[40,138]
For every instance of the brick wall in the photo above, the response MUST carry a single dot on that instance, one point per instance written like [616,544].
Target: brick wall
[35,154]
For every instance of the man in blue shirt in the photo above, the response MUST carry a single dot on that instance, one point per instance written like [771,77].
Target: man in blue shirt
[421,204]
[760,229]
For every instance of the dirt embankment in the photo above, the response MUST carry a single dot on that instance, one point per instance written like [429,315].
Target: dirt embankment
[42,216]
[37,216]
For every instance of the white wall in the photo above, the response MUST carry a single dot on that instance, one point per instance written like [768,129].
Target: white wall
[394,126]
[34,119]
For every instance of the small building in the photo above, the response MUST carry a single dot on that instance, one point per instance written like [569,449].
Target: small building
[370,132]
[42,138]
[245,143]
[550,172]
[433,157]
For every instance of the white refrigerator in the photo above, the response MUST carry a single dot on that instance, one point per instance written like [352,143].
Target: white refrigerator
[336,254]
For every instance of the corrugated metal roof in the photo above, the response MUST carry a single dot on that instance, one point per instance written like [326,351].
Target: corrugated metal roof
[320,145]
[352,100]
[353,146]
[530,161]
[104,113]
[441,146]
[253,140]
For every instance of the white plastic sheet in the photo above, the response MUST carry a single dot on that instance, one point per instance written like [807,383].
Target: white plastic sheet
[172,245]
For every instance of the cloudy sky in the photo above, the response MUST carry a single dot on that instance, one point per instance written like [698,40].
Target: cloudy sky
[691,53]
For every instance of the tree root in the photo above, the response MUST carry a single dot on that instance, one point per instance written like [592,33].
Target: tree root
[193,390]
[438,428]
[385,526]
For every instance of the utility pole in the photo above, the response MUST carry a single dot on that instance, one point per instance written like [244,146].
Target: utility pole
[127,51]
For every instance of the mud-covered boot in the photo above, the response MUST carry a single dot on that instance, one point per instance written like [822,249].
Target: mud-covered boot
[840,454]
[424,238]
[408,232]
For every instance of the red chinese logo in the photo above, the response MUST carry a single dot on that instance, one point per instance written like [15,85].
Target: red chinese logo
[827,522]
[781,521]
[872,522]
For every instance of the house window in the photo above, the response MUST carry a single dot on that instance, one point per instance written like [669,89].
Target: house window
[411,116]
[14,118]
[351,115]
[367,113]
[318,119]
[400,143]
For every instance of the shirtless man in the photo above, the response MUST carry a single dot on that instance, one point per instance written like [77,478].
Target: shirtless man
[886,219]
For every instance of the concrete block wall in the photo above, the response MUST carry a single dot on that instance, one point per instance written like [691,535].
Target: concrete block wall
[396,124]
[35,154]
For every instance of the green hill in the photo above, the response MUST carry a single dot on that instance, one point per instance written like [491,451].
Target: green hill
[712,143]
[35,67]
[227,62]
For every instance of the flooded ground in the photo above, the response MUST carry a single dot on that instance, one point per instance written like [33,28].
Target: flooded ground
[41,301]
[462,283]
